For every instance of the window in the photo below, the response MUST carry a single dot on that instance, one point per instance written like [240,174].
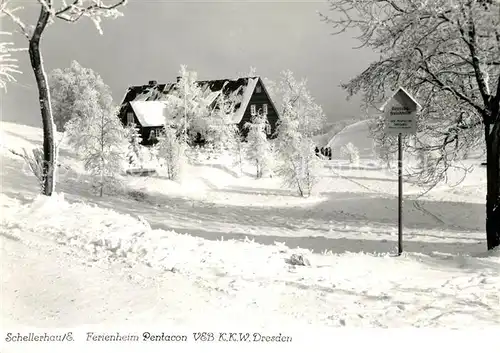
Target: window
[258,89]
[154,134]
[130,118]
[264,109]
[268,129]
[253,109]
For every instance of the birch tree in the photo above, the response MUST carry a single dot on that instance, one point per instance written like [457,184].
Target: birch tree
[97,136]
[300,119]
[297,163]
[171,148]
[446,53]
[51,11]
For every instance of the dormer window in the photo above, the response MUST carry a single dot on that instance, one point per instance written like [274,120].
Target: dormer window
[258,89]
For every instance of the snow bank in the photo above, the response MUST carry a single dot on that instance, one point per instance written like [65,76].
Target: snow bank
[106,234]
[412,290]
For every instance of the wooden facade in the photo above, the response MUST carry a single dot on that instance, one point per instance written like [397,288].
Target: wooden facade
[260,101]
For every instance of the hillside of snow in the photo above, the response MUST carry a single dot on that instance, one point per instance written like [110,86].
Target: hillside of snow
[218,246]
[359,135]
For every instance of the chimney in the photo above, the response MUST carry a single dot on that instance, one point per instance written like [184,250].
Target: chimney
[179,78]
[152,83]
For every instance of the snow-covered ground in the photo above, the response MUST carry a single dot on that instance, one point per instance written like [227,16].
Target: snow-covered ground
[213,250]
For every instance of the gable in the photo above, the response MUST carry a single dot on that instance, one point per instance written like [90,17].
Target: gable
[261,83]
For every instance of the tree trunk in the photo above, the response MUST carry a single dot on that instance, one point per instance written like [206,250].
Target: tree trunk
[493,185]
[49,148]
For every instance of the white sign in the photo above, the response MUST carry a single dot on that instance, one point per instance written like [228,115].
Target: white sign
[401,114]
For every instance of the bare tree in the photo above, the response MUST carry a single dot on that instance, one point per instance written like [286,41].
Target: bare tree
[70,12]
[447,53]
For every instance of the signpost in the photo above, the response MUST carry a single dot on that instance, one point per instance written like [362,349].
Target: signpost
[400,119]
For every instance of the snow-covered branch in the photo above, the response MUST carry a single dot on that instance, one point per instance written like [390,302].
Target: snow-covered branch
[93,9]
[10,12]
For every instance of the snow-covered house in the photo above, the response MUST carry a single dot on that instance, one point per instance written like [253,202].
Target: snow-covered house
[146,105]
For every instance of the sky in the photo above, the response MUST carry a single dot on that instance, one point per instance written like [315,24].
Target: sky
[217,39]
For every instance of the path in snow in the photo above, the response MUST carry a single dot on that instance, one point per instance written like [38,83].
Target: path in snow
[353,222]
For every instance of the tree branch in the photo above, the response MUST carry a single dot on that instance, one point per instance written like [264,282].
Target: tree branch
[15,19]
[441,84]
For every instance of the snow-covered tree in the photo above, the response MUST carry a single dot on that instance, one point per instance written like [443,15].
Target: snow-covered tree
[298,164]
[171,148]
[259,150]
[67,85]
[222,132]
[97,136]
[446,53]
[49,12]
[134,139]
[188,104]
[300,119]
[297,102]
[350,151]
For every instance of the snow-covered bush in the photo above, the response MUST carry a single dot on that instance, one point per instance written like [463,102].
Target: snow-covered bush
[350,151]
[134,139]
[97,136]
[259,150]
[34,161]
[298,260]
[171,148]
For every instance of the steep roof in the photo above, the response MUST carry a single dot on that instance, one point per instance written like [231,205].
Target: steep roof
[148,92]
[239,90]
[150,113]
